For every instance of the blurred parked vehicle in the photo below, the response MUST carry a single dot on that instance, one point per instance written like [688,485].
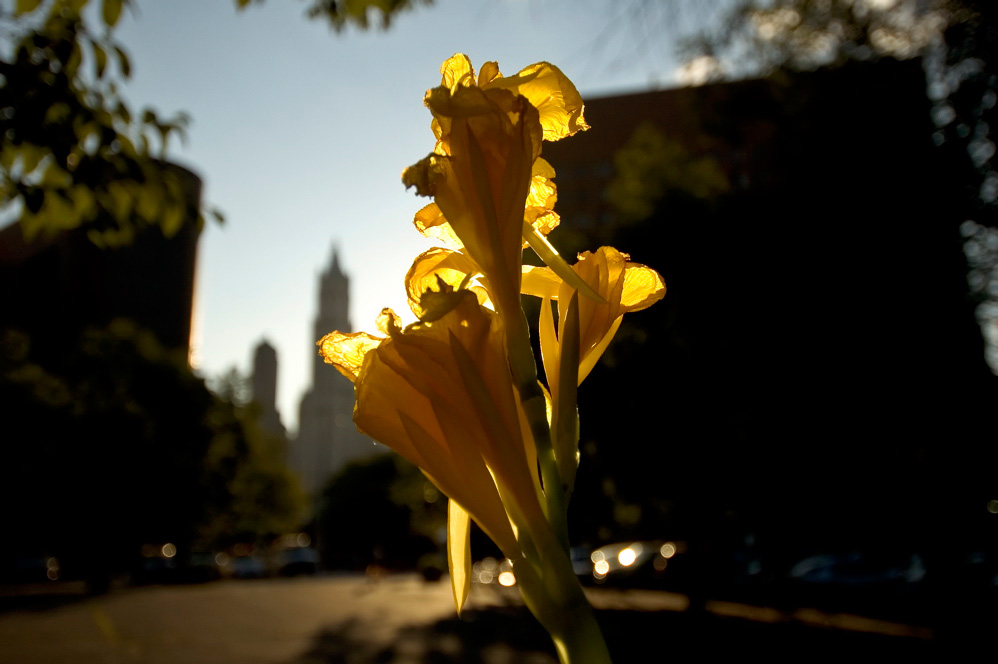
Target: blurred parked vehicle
[857,569]
[30,569]
[870,583]
[298,561]
[489,570]
[248,566]
[642,563]
[157,563]
[204,566]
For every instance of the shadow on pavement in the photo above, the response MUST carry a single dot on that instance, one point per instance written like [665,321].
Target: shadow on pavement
[510,634]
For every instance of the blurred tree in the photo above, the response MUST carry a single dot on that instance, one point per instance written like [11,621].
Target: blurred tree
[651,164]
[262,497]
[114,443]
[379,511]
[232,386]
[341,13]
[72,153]
[958,41]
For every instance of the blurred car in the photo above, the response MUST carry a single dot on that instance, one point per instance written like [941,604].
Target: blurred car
[871,583]
[157,563]
[491,571]
[203,566]
[636,563]
[298,561]
[247,566]
[30,569]
[856,569]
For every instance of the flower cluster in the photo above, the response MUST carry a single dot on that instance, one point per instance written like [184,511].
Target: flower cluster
[457,392]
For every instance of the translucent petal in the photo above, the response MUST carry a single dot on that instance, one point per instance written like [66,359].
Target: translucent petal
[543,192]
[440,393]
[493,140]
[540,282]
[550,350]
[592,356]
[543,221]
[459,552]
[490,71]
[543,169]
[457,70]
[451,266]
[346,352]
[552,94]
[431,223]
[547,253]
[643,287]
[388,322]
[423,175]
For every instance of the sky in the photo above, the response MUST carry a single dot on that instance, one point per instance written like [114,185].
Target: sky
[300,135]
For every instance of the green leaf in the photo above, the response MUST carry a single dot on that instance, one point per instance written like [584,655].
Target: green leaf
[100,60]
[8,154]
[112,12]
[57,113]
[150,199]
[26,6]
[73,63]
[173,220]
[31,155]
[55,177]
[123,62]
[553,260]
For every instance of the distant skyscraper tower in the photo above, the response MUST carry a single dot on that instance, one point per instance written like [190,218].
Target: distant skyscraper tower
[327,438]
[264,386]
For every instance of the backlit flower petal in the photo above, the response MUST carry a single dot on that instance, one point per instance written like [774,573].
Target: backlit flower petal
[346,352]
[459,552]
[452,267]
[431,223]
[625,287]
[457,70]
[540,282]
[552,94]
[643,287]
[491,140]
[440,394]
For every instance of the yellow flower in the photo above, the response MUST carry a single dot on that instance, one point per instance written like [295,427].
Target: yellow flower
[453,268]
[439,394]
[489,134]
[624,286]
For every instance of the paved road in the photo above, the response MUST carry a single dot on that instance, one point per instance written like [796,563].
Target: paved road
[403,620]
[245,622]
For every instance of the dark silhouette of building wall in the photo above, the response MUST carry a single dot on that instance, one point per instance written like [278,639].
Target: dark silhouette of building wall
[57,286]
[815,372]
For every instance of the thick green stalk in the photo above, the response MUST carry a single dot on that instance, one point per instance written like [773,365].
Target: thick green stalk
[546,578]
[553,594]
[524,371]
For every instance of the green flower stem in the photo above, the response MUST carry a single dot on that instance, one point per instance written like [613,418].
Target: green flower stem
[546,579]
[553,594]
[524,370]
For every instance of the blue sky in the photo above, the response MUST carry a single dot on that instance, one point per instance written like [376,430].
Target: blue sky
[300,135]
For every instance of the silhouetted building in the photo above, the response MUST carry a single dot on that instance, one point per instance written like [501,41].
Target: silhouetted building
[815,373]
[264,388]
[57,286]
[327,437]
